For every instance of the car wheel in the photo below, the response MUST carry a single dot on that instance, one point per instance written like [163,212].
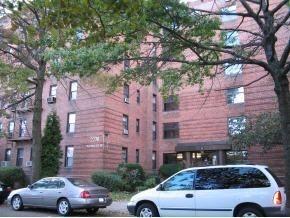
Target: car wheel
[92,211]
[63,207]
[17,203]
[249,212]
[147,210]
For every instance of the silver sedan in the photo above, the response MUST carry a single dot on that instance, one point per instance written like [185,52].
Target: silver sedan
[63,194]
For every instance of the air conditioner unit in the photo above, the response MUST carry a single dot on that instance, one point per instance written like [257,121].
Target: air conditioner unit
[51,100]
[29,163]
[5,163]
[125,131]
[126,100]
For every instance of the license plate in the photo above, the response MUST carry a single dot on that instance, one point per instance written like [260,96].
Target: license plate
[102,200]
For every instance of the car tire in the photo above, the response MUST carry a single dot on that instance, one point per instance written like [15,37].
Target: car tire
[147,210]
[249,212]
[17,203]
[92,211]
[63,207]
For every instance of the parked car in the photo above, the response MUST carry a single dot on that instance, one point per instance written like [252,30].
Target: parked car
[233,190]
[64,194]
[4,192]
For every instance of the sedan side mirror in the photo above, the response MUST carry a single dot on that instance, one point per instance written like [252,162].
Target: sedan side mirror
[29,186]
[161,187]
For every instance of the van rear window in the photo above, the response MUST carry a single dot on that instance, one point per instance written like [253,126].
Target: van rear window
[276,178]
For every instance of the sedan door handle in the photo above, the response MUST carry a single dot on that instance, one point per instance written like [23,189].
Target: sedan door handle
[189,195]
[40,192]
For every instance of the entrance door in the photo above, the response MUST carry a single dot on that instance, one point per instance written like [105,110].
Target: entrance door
[177,197]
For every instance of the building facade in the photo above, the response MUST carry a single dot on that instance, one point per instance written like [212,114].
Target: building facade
[136,125]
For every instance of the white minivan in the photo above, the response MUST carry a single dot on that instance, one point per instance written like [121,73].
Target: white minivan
[232,190]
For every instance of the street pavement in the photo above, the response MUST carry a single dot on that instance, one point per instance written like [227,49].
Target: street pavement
[116,209]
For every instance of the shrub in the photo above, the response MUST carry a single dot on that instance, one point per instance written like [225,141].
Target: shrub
[132,175]
[167,170]
[108,180]
[12,176]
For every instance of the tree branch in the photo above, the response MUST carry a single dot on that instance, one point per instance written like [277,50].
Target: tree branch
[19,101]
[279,6]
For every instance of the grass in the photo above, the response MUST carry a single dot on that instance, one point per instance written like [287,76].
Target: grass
[121,196]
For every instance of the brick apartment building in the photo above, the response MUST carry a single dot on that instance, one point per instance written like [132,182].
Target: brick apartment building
[135,124]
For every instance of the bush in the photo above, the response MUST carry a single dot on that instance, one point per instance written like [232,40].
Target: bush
[167,170]
[132,175]
[108,180]
[12,176]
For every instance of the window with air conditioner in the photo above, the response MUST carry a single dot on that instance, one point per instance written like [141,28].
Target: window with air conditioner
[126,93]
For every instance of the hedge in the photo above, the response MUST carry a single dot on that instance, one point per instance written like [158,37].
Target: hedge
[167,170]
[108,180]
[12,176]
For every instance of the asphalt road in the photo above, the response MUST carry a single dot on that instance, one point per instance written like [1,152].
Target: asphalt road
[116,209]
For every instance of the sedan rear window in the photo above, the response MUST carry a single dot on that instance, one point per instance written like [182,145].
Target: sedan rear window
[80,182]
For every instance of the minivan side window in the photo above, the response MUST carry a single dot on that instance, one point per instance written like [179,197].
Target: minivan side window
[230,178]
[181,181]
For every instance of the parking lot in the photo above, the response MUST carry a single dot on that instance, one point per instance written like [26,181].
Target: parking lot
[117,209]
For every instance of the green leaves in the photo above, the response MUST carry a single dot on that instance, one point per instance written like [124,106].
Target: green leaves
[264,130]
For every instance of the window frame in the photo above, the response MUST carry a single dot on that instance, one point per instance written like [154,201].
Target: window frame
[229,18]
[230,133]
[11,131]
[154,160]
[170,104]
[124,155]
[194,172]
[6,154]
[154,102]
[126,92]
[71,98]
[67,158]
[20,157]
[125,122]
[137,125]
[22,127]
[154,130]
[169,129]
[69,124]
[137,155]
[138,97]
[234,94]
[52,87]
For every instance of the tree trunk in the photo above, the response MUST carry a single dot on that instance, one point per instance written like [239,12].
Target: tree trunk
[283,94]
[36,127]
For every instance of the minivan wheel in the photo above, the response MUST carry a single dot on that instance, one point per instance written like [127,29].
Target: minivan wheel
[92,211]
[147,210]
[17,203]
[63,207]
[249,212]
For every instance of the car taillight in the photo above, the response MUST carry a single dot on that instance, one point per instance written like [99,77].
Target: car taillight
[277,198]
[85,194]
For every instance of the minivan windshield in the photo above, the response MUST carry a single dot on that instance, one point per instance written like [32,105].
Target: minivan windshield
[276,178]
[80,182]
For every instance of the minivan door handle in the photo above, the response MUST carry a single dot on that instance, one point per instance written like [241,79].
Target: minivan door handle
[189,195]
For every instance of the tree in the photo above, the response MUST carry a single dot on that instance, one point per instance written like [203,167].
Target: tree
[51,151]
[181,45]
[26,34]
[263,130]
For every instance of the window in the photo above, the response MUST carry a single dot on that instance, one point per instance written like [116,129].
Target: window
[137,156]
[237,157]
[7,154]
[171,103]
[154,102]
[154,130]
[22,128]
[170,130]
[10,128]
[41,184]
[181,181]
[230,178]
[138,125]
[235,95]
[30,154]
[124,155]
[52,92]
[236,124]
[154,161]
[233,69]
[126,93]
[126,63]
[71,122]
[226,17]
[69,156]
[138,97]
[231,38]
[1,128]
[73,90]
[125,124]
[20,156]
